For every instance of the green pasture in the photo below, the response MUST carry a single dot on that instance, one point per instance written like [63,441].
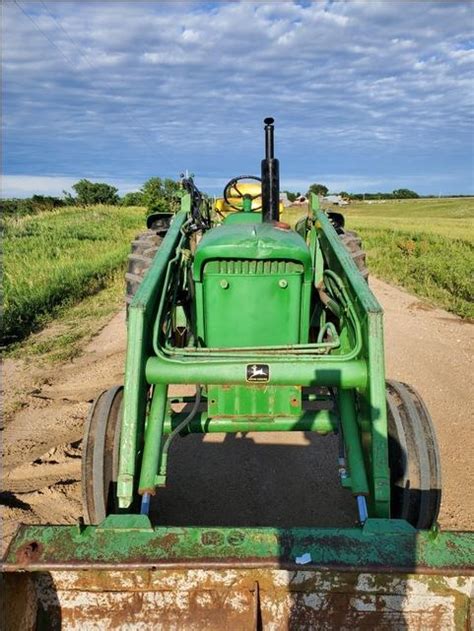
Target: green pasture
[425,245]
[453,218]
[58,257]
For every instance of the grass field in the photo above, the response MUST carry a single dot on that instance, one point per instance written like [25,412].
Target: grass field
[425,245]
[57,258]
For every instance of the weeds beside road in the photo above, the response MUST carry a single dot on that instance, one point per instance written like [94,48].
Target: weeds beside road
[58,257]
[424,245]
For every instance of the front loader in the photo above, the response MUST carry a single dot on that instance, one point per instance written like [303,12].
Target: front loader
[276,330]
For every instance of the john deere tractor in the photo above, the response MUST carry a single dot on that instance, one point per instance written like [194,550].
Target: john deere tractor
[275,327]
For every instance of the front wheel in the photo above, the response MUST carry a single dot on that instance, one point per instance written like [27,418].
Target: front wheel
[100,453]
[415,470]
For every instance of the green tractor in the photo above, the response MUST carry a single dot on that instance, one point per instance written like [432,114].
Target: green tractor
[277,330]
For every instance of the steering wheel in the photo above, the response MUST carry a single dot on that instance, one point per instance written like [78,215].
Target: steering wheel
[233,184]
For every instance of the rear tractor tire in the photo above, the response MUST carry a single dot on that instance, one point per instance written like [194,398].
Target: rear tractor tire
[100,453]
[144,249]
[353,244]
[415,470]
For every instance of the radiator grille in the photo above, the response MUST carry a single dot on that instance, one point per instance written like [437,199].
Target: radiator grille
[245,266]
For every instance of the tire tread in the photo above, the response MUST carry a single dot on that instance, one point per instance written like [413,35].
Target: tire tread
[414,457]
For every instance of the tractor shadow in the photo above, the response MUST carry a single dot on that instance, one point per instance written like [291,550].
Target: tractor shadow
[284,479]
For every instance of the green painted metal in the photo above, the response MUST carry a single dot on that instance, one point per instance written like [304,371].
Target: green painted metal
[252,303]
[318,261]
[139,347]
[314,204]
[253,400]
[285,370]
[243,217]
[350,432]
[255,242]
[372,414]
[319,421]
[130,542]
[153,439]
[247,204]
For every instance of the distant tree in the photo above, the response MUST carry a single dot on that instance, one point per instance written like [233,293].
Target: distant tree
[160,195]
[46,202]
[69,200]
[291,196]
[89,193]
[152,191]
[134,198]
[16,207]
[344,195]
[29,205]
[171,187]
[405,193]
[318,189]
[160,205]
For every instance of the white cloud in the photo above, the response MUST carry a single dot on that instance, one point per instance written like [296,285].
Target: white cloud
[148,85]
[27,185]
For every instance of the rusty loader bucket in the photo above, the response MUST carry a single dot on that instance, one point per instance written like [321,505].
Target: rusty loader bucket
[127,574]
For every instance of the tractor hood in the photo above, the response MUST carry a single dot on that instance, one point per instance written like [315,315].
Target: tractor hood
[263,241]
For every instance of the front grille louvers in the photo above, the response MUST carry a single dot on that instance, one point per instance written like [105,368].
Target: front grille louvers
[256,267]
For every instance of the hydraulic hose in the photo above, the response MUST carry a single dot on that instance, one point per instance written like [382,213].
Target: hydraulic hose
[182,425]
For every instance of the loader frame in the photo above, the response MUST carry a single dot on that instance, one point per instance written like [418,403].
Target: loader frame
[357,372]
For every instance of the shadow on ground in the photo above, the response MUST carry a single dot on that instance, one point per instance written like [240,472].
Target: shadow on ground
[281,480]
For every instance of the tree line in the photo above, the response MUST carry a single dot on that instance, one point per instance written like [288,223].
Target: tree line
[399,193]
[156,194]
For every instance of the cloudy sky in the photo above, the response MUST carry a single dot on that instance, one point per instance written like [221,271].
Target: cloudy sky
[367,95]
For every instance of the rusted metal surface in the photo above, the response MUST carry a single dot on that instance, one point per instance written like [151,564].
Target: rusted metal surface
[130,542]
[244,599]
[126,574]
[29,553]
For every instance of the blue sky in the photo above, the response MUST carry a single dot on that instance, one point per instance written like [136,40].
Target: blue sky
[367,95]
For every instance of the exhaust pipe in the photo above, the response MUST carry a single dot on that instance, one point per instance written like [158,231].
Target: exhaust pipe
[270,177]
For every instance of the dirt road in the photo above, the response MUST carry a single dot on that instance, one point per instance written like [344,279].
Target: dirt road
[256,479]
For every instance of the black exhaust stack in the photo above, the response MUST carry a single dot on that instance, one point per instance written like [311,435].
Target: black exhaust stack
[270,177]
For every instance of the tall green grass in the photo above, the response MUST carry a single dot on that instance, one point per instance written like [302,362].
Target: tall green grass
[425,245]
[57,258]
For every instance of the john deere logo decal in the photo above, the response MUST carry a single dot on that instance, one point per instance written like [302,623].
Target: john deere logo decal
[258,372]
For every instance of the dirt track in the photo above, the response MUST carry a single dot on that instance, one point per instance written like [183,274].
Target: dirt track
[244,480]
